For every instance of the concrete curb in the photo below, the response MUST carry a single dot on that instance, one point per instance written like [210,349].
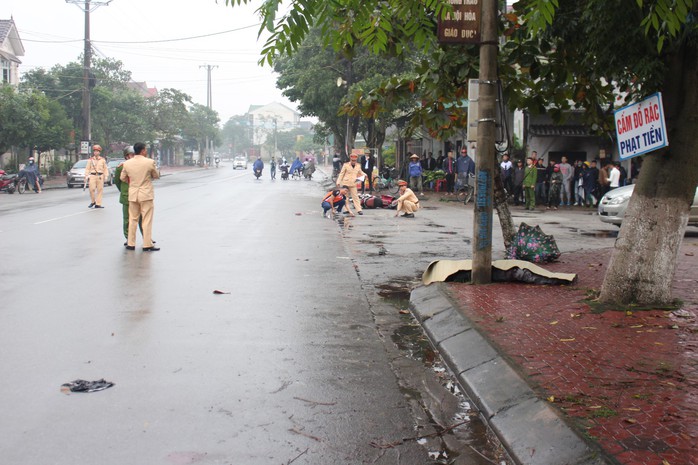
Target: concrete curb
[532,432]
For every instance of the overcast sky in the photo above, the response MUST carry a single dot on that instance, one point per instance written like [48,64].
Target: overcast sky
[142,33]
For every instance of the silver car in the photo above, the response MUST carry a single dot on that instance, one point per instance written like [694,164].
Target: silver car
[76,175]
[612,206]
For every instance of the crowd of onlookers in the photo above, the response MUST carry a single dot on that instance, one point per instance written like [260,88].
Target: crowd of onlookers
[557,183]
[560,183]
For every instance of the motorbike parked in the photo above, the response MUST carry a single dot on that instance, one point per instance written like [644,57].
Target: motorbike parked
[8,182]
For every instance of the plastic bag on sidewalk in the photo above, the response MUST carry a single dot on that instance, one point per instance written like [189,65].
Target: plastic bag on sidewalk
[533,245]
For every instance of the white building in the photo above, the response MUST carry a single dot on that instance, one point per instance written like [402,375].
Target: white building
[265,119]
[10,48]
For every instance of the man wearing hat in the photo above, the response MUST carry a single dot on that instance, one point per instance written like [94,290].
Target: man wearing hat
[407,202]
[415,170]
[96,169]
[347,177]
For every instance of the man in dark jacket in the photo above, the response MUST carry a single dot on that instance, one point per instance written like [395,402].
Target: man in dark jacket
[368,161]
[590,183]
[517,181]
[541,182]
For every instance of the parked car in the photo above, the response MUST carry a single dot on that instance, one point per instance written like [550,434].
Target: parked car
[76,175]
[613,205]
[240,162]
[111,165]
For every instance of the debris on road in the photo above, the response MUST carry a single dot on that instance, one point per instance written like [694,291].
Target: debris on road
[80,385]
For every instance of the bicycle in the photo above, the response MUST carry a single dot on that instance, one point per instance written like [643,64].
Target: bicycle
[466,192]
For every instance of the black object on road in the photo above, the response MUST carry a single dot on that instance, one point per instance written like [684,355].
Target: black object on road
[80,385]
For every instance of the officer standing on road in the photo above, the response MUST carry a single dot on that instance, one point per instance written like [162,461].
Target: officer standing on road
[96,169]
[347,177]
[139,172]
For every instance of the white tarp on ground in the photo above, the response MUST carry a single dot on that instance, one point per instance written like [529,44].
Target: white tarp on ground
[502,271]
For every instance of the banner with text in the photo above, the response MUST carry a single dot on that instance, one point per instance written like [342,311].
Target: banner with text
[640,128]
[462,25]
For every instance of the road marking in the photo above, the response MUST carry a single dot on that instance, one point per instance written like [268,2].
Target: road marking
[61,217]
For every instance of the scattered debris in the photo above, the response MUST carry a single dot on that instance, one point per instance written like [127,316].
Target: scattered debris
[80,385]
[382,250]
[216,291]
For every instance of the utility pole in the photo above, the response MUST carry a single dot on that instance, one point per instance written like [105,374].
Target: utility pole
[486,133]
[209,104]
[87,6]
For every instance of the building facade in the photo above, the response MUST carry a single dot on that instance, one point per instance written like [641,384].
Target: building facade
[11,49]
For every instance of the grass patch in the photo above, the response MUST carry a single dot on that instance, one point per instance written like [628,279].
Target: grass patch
[592,300]
[603,412]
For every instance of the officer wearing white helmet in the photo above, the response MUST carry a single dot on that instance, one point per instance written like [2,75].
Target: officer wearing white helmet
[95,175]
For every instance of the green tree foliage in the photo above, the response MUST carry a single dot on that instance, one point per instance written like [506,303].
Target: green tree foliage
[29,119]
[236,134]
[203,125]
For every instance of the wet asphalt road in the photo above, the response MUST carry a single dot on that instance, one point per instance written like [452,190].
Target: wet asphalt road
[287,367]
[307,360]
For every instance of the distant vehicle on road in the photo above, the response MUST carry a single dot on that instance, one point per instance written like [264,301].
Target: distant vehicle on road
[111,165]
[240,162]
[613,205]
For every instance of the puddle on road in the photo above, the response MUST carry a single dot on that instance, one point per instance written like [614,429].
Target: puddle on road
[595,233]
[471,441]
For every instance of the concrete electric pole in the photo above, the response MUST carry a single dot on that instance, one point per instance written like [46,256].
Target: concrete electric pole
[87,6]
[486,134]
[209,104]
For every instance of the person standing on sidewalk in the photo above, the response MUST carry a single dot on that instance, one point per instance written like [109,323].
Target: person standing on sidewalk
[95,172]
[556,180]
[517,182]
[529,184]
[368,162]
[139,172]
[506,172]
[567,177]
[416,171]
[591,178]
[347,177]
[541,182]
[449,167]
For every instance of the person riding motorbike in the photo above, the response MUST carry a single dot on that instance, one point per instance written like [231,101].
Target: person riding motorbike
[258,166]
[297,165]
[33,175]
[308,168]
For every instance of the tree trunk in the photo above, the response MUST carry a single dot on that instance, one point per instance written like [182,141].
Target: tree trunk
[506,222]
[643,262]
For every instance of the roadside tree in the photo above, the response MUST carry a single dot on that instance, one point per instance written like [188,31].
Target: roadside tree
[562,51]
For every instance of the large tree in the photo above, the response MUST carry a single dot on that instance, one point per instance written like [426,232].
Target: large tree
[580,51]
[598,55]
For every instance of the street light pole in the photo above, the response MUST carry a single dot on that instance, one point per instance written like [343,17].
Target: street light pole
[486,133]
[88,7]
[209,104]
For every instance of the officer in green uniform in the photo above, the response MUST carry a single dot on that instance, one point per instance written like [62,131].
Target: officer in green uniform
[123,188]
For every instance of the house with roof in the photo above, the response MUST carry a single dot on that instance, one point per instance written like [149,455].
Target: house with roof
[10,49]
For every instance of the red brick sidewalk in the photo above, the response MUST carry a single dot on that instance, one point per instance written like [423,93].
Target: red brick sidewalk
[626,380]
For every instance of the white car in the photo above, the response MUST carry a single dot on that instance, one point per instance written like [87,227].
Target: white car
[612,206]
[240,162]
